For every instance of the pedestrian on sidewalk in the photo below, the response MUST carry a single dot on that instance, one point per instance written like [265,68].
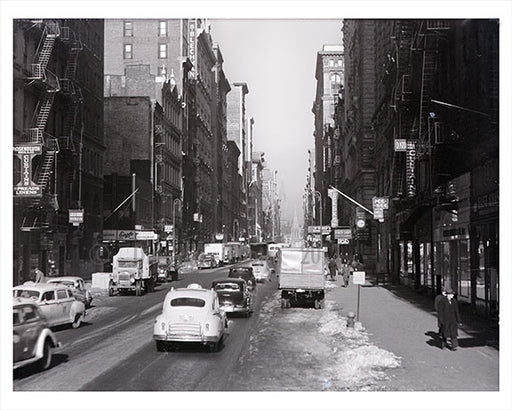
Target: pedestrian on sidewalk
[346,270]
[450,318]
[437,301]
[333,267]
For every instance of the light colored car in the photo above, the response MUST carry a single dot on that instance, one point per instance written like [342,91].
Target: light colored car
[32,340]
[260,270]
[207,261]
[77,286]
[57,303]
[190,315]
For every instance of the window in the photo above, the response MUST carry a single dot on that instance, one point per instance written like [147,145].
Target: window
[128,28]
[162,51]
[48,296]
[128,52]
[62,294]
[162,28]
[28,313]
[331,63]
[192,302]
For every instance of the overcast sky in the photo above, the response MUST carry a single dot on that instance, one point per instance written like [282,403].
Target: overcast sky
[277,60]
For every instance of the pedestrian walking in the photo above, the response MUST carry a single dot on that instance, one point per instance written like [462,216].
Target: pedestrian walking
[437,301]
[346,270]
[333,267]
[449,317]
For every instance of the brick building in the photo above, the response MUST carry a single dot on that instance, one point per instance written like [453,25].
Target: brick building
[58,129]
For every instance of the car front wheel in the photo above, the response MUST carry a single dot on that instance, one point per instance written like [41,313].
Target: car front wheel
[45,362]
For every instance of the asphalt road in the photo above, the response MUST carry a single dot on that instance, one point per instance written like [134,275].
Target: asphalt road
[114,349]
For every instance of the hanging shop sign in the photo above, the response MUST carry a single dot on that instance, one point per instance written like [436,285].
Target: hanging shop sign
[26,187]
[146,236]
[192,42]
[400,145]
[379,205]
[410,164]
[76,216]
[334,206]
[343,233]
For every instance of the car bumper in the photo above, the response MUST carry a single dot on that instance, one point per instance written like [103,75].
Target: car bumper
[186,338]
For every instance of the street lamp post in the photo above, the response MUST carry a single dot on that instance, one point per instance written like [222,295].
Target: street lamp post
[174,230]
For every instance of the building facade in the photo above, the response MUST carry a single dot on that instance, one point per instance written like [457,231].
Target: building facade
[435,125]
[58,140]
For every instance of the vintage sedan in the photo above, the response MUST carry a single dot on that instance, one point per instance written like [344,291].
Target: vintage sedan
[190,315]
[260,269]
[77,286]
[246,273]
[32,340]
[206,261]
[234,297]
[57,303]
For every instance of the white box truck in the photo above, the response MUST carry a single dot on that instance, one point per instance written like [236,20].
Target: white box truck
[217,249]
[301,277]
[133,270]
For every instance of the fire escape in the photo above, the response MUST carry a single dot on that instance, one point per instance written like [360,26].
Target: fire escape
[36,215]
[403,99]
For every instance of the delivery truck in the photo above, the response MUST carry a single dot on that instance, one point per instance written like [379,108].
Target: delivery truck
[301,277]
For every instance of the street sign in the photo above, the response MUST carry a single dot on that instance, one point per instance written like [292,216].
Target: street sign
[343,241]
[358,277]
[168,228]
[324,230]
[146,236]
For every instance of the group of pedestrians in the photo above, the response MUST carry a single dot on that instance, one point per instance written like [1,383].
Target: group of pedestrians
[344,269]
[448,318]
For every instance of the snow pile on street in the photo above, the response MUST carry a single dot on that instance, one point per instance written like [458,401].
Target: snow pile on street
[303,349]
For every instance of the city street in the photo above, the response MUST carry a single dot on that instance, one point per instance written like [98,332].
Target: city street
[298,349]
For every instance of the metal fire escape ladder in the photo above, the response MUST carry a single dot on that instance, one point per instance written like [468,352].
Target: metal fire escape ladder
[70,88]
[44,51]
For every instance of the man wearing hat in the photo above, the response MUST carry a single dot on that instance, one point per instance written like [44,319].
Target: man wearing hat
[437,301]
[449,316]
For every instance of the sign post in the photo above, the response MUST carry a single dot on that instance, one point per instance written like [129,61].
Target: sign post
[358,279]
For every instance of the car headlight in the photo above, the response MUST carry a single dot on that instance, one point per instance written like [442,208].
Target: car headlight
[132,280]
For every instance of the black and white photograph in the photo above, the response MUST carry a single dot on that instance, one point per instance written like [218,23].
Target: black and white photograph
[255,205]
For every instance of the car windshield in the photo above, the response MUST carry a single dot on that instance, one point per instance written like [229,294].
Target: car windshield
[25,293]
[191,302]
[227,286]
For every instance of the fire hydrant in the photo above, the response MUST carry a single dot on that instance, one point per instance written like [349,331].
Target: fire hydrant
[351,319]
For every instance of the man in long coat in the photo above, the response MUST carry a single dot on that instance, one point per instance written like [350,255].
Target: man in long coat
[449,317]
[437,301]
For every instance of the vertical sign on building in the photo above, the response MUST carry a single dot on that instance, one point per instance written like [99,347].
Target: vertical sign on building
[334,206]
[26,187]
[410,164]
[192,44]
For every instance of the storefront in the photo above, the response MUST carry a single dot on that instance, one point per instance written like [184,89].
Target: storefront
[485,239]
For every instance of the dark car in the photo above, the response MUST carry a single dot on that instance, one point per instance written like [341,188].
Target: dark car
[234,296]
[246,273]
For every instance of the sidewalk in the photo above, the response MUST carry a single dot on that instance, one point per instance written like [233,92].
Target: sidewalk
[402,321]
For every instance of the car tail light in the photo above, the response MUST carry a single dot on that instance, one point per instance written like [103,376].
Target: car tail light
[207,327]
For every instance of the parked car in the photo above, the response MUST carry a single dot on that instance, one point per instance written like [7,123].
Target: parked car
[244,272]
[206,260]
[32,340]
[261,270]
[234,297]
[77,286]
[57,302]
[190,315]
